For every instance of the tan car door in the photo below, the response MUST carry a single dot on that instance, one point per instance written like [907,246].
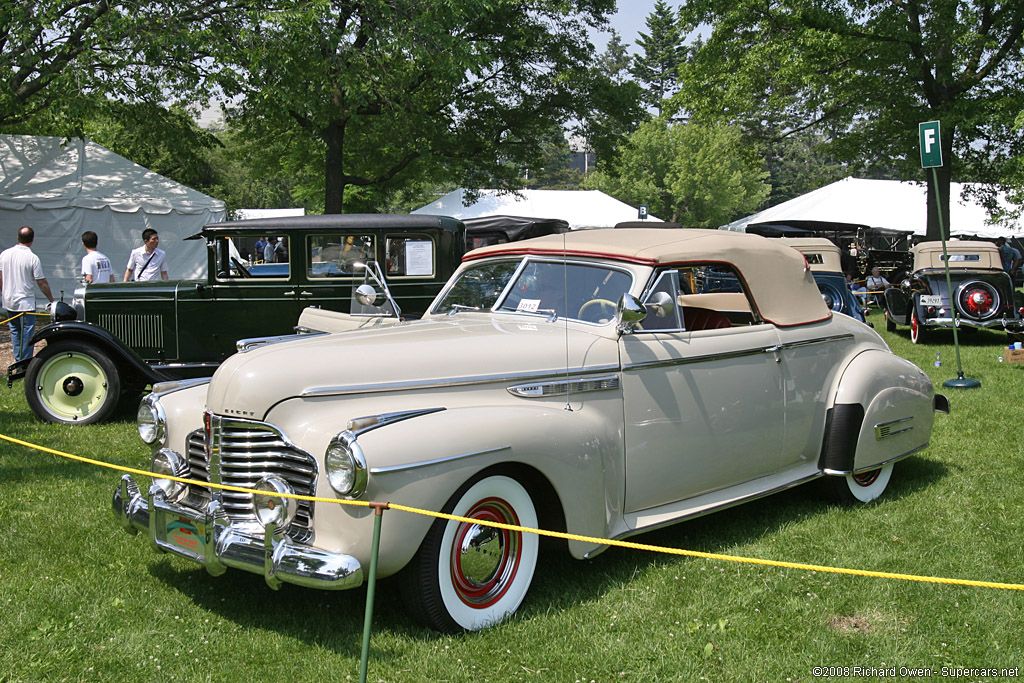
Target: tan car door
[703,410]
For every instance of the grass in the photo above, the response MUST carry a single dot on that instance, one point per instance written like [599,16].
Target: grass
[82,600]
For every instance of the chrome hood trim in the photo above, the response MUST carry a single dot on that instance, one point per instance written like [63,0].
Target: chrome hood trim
[458,351]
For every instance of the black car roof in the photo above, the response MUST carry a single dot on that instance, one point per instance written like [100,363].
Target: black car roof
[332,222]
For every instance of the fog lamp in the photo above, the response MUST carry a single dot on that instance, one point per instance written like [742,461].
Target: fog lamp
[346,466]
[151,421]
[167,463]
[272,507]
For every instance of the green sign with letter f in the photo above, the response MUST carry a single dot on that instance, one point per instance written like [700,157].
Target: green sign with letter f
[931,147]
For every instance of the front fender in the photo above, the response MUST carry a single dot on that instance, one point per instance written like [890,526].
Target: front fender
[883,411]
[120,354]
[421,462]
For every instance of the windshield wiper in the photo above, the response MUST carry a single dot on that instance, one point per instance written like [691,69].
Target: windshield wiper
[455,308]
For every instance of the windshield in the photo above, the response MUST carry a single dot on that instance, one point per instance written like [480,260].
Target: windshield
[580,291]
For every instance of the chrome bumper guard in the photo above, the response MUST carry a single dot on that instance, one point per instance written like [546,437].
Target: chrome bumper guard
[948,322]
[208,537]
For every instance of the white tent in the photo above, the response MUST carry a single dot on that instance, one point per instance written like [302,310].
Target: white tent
[889,204]
[252,214]
[61,188]
[579,208]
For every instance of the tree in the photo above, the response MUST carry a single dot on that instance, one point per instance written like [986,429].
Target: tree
[65,60]
[662,52]
[384,94]
[871,71]
[615,61]
[696,175]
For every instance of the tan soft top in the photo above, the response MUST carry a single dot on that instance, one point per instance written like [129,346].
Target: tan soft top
[781,286]
[963,255]
[822,255]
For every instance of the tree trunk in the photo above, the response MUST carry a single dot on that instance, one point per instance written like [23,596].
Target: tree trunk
[334,169]
[938,195]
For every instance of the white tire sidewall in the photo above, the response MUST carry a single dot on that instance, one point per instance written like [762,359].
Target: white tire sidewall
[513,493]
[866,494]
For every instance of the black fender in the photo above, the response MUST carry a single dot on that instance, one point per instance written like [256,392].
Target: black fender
[898,304]
[125,358]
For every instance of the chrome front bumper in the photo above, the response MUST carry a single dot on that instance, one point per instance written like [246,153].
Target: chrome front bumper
[208,537]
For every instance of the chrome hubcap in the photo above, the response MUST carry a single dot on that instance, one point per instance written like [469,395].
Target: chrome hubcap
[485,559]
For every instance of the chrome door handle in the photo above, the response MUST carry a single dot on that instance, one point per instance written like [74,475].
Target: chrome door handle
[291,293]
[305,293]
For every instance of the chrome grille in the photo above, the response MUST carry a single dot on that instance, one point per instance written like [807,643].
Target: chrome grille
[241,453]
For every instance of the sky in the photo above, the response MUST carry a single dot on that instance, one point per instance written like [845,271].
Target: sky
[629,21]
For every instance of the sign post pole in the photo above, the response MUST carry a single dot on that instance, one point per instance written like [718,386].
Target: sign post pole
[931,157]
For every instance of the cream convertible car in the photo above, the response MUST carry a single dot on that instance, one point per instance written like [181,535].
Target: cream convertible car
[601,382]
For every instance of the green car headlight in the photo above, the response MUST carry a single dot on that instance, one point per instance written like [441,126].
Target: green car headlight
[151,421]
[345,465]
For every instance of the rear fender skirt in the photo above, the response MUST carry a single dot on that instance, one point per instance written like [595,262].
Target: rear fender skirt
[842,426]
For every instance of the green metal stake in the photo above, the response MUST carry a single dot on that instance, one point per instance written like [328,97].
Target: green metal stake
[960,382]
[371,584]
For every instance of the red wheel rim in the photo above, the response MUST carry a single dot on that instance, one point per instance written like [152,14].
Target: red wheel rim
[485,559]
[866,478]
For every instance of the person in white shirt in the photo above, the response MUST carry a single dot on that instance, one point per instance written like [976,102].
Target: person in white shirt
[95,266]
[147,262]
[20,273]
[876,285]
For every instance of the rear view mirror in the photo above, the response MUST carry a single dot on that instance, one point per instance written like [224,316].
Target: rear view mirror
[628,312]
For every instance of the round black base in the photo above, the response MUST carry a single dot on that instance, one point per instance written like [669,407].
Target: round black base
[962,383]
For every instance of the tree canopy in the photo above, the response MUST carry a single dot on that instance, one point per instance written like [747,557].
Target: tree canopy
[871,70]
[661,53]
[700,176]
[385,93]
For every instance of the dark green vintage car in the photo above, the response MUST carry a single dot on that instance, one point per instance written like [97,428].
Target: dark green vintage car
[116,339]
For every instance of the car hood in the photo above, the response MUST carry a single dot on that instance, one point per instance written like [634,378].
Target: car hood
[437,351]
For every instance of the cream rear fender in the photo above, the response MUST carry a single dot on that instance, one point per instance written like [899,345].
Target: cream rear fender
[882,411]
[422,461]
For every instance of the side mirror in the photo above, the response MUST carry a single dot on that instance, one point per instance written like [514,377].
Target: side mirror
[629,311]
[368,296]
[661,304]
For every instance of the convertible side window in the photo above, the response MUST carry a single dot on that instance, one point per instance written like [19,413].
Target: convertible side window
[332,256]
[711,297]
[662,304]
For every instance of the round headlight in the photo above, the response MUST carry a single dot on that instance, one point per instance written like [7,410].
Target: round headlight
[346,467]
[151,422]
[167,463]
[272,507]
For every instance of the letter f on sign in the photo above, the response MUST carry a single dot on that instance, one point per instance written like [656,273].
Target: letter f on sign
[931,149]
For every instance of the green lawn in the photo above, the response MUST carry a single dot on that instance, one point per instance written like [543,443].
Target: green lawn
[82,600]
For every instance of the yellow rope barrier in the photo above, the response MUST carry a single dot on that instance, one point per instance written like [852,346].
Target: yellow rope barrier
[21,314]
[553,534]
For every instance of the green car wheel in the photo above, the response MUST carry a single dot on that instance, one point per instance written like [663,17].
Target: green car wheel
[72,382]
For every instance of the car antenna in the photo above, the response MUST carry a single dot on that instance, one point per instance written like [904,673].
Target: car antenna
[565,321]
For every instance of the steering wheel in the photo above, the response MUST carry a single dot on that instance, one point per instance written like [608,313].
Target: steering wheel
[241,269]
[603,303]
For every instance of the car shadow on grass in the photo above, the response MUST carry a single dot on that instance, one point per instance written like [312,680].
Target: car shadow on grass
[562,581]
[334,620]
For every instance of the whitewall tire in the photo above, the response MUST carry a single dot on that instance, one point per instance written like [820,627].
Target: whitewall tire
[863,487]
[470,576]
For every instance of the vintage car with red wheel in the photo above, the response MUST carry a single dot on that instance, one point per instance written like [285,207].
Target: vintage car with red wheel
[600,383]
[982,294]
